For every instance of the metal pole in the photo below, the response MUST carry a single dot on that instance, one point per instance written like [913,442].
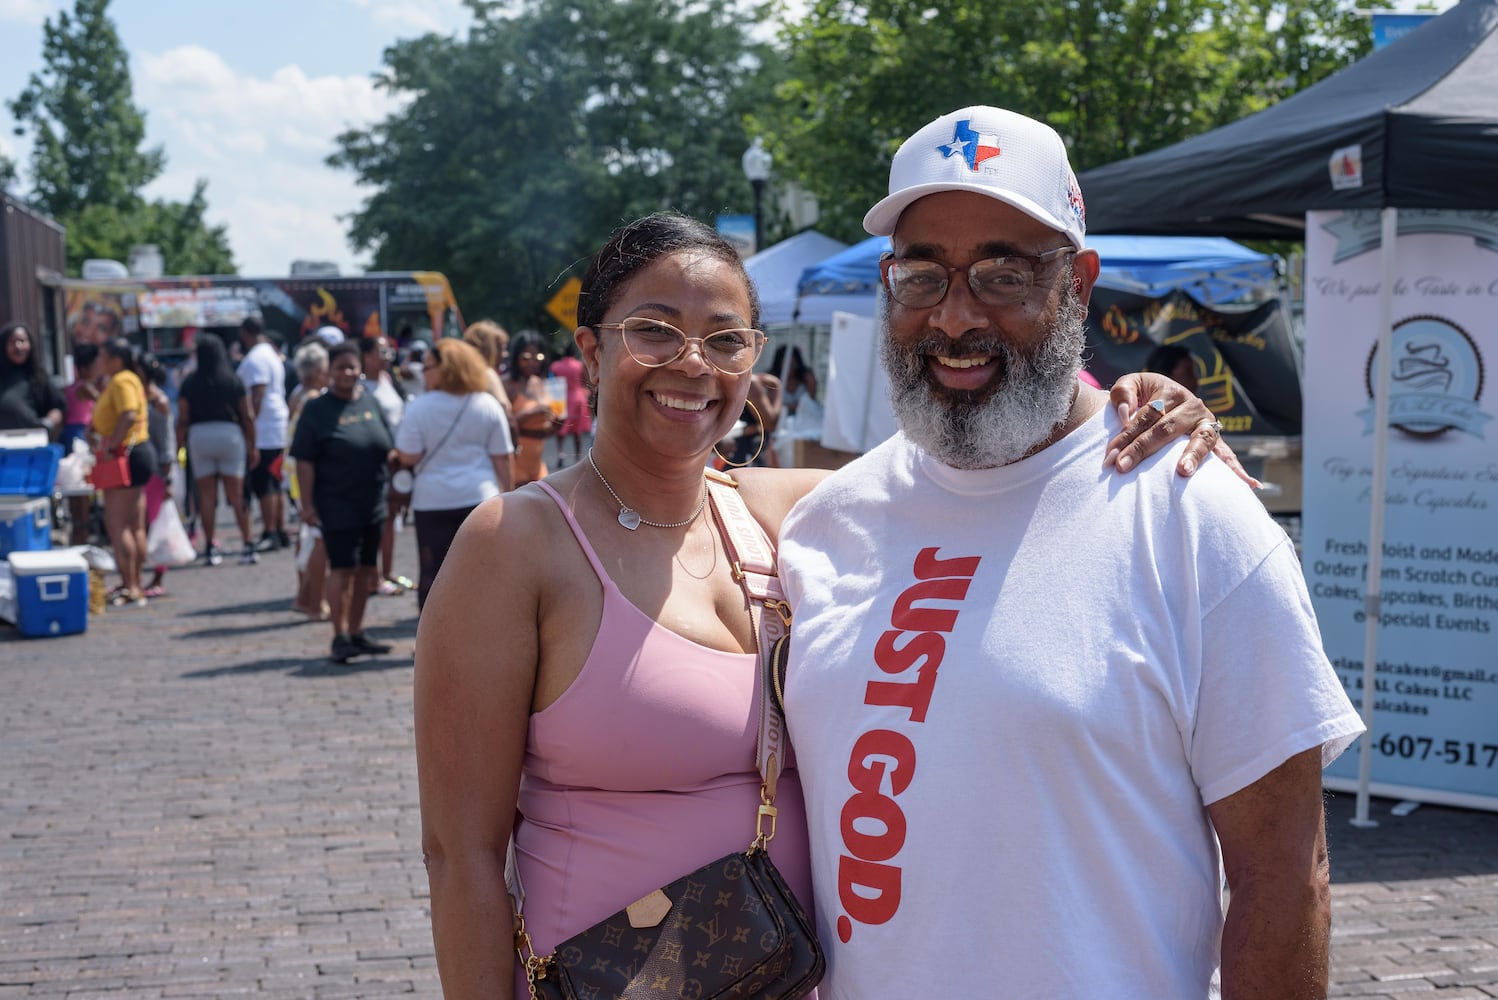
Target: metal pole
[1372,586]
[759,226]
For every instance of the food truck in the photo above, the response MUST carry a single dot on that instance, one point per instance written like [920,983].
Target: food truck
[165,315]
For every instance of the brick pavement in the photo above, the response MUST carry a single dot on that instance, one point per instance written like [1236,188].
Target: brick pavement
[195,803]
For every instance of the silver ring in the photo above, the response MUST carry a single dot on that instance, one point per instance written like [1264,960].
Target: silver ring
[1215,426]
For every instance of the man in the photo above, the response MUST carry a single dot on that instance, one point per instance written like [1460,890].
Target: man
[1061,684]
[263,373]
[377,353]
[1173,361]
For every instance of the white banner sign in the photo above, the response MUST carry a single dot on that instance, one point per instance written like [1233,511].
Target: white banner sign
[1435,731]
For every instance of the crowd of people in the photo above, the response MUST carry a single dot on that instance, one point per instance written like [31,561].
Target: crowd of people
[333,445]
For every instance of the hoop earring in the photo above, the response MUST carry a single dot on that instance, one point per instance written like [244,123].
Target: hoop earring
[740,465]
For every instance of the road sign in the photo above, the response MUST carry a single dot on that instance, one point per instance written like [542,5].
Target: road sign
[563,305]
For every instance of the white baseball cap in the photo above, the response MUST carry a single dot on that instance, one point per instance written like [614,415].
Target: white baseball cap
[990,151]
[330,335]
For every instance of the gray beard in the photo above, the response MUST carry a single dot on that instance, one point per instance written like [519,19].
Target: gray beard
[997,425]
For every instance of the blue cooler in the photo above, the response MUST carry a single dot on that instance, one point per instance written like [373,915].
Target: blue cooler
[27,476]
[25,525]
[51,592]
[29,472]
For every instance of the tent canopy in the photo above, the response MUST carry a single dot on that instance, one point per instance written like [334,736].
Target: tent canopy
[776,270]
[1414,125]
[1211,268]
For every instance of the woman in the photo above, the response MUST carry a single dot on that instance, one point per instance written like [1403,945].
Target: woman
[311,363]
[80,395]
[530,405]
[749,448]
[28,399]
[457,441]
[79,398]
[579,422]
[490,340]
[343,448]
[588,630]
[798,381]
[162,436]
[216,427]
[121,426]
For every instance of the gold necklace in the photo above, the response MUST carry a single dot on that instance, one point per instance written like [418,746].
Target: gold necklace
[629,517]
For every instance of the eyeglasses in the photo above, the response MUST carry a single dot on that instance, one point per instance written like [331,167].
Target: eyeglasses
[529,356]
[654,343]
[998,281]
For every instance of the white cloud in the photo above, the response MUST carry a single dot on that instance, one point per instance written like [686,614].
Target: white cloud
[261,143]
[26,11]
[413,17]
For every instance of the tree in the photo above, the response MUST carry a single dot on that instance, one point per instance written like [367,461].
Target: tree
[1114,77]
[88,163]
[554,121]
[187,243]
[87,134]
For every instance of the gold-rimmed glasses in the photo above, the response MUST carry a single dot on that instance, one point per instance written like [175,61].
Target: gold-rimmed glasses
[655,343]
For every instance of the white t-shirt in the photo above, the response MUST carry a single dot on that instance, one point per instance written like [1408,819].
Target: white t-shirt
[389,398]
[1012,693]
[263,366]
[460,471]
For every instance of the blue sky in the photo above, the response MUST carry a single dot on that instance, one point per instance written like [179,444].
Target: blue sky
[249,95]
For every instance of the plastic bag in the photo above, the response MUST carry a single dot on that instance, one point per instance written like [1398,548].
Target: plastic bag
[307,537]
[167,543]
[74,467]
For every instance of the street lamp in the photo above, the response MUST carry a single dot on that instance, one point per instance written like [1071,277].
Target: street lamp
[757,168]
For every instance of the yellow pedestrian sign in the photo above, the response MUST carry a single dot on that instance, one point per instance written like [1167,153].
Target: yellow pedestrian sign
[563,305]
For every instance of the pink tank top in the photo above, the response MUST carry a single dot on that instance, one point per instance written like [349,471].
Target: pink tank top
[80,408]
[642,771]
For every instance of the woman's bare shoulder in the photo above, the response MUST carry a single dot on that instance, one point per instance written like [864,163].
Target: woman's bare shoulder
[498,557]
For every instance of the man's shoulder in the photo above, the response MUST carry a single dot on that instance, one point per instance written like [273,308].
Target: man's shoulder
[253,363]
[866,480]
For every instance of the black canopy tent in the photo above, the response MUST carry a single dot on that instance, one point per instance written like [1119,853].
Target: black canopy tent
[1413,126]
[1421,116]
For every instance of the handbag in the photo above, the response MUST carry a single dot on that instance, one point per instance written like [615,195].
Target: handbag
[111,471]
[403,481]
[732,928]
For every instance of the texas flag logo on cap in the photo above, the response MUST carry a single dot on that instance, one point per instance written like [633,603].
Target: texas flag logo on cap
[974,147]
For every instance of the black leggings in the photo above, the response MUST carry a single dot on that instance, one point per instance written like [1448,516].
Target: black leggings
[435,531]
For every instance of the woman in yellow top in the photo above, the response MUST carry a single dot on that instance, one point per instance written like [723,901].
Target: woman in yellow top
[119,426]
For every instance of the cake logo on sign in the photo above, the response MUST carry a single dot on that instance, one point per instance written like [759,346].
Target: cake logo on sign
[1436,380]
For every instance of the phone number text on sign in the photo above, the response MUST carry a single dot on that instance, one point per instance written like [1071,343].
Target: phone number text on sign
[1454,752]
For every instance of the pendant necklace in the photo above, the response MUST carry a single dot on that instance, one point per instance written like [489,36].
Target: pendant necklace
[629,517]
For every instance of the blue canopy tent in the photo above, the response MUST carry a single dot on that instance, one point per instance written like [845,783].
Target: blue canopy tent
[1211,269]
